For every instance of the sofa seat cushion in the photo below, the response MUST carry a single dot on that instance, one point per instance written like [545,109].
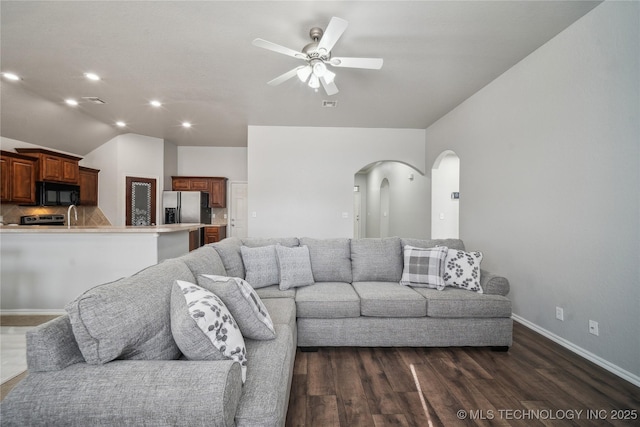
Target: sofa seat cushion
[330,259]
[328,300]
[389,299]
[452,302]
[129,318]
[265,395]
[274,291]
[282,311]
[376,259]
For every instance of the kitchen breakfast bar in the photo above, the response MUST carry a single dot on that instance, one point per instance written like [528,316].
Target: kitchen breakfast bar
[45,267]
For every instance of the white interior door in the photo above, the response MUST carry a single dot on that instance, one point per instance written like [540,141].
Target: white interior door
[238,213]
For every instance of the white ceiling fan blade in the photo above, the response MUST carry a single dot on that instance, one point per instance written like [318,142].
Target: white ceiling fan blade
[368,63]
[284,77]
[278,48]
[334,31]
[329,86]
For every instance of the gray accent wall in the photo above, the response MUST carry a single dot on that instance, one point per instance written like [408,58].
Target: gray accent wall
[550,183]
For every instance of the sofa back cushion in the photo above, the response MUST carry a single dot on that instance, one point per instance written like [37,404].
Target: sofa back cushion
[204,260]
[376,260]
[330,259]
[229,251]
[432,243]
[129,318]
[255,242]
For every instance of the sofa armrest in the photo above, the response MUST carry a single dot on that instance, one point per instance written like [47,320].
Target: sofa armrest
[128,393]
[492,284]
[52,346]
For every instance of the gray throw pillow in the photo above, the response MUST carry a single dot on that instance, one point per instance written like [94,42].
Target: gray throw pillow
[295,267]
[245,305]
[261,266]
[203,327]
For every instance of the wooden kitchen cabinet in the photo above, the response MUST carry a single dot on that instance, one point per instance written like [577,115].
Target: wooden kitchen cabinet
[213,234]
[216,187]
[88,179]
[54,167]
[18,180]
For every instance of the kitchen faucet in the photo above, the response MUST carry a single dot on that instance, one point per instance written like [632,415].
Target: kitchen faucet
[75,211]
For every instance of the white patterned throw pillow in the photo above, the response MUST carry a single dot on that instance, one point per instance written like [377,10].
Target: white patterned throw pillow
[203,328]
[462,270]
[244,304]
[424,267]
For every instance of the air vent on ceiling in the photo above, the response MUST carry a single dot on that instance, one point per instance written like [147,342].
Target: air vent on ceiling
[329,104]
[93,99]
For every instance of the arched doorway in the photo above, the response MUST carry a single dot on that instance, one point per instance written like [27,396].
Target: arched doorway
[391,198]
[445,193]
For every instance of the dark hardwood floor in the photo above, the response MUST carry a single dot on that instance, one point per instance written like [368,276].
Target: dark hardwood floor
[537,382]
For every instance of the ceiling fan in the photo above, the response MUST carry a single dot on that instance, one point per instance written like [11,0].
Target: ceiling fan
[317,55]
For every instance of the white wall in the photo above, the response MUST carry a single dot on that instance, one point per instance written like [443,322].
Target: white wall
[409,204]
[445,211]
[230,162]
[126,155]
[550,184]
[301,179]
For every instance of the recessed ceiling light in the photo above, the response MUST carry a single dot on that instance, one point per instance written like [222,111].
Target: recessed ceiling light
[186,124]
[121,124]
[71,102]
[155,103]
[11,76]
[92,76]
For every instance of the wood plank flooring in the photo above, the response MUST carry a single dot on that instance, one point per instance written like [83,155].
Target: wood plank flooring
[536,383]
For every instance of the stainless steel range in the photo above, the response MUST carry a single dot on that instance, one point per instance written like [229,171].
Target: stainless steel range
[53,219]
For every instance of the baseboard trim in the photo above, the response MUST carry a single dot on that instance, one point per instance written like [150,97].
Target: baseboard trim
[605,364]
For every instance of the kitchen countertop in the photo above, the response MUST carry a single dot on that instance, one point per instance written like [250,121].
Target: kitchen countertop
[165,228]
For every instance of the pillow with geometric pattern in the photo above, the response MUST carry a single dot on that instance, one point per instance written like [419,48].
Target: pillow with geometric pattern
[462,270]
[424,267]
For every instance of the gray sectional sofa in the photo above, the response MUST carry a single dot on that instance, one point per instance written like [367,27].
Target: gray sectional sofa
[112,359]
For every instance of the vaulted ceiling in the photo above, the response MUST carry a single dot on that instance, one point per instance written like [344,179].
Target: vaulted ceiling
[196,57]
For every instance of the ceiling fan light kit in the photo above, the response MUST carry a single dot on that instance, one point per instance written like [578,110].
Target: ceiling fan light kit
[317,54]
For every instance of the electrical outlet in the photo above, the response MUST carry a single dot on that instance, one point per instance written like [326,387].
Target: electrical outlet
[593,327]
[559,313]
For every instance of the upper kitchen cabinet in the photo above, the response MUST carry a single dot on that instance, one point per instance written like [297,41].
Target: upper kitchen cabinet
[88,186]
[18,180]
[52,166]
[216,187]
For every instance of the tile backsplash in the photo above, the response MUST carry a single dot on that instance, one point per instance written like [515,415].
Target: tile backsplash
[87,215]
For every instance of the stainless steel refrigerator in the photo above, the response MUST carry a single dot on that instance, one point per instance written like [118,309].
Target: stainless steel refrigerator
[186,207]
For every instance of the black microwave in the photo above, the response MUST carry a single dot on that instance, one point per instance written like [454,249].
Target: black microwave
[55,194]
